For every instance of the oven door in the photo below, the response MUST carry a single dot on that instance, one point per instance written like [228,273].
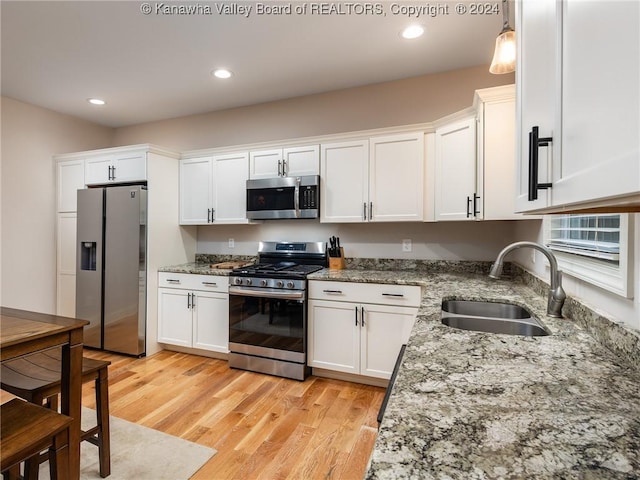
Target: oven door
[268,323]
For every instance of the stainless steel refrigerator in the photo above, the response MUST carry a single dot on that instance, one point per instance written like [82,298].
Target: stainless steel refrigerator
[111,267]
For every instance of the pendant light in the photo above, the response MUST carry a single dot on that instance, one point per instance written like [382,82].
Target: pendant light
[504,57]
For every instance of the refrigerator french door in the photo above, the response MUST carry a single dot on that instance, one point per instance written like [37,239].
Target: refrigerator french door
[111,267]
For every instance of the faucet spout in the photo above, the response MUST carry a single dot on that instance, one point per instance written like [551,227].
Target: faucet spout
[557,295]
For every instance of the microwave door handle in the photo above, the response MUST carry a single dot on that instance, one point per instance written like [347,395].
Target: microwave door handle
[296,200]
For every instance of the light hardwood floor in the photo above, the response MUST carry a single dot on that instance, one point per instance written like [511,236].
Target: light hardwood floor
[263,427]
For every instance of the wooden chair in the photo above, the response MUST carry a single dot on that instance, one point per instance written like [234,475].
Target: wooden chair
[36,378]
[26,430]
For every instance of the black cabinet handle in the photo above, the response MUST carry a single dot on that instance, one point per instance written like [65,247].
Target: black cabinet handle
[476,212]
[356,316]
[370,210]
[535,142]
[362,316]
[468,206]
[188,300]
[364,211]
[208,215]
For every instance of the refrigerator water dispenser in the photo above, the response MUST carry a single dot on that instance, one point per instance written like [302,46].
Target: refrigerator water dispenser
[88,255]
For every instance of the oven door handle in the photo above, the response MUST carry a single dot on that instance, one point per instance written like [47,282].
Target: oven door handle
[267,293]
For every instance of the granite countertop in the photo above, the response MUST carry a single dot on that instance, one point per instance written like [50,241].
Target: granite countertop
[196,268]
[472,405]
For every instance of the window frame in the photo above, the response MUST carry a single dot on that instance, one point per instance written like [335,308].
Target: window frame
[616,279]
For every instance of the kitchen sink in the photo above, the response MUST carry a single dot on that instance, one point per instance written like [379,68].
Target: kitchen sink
[485,309]
[491,317]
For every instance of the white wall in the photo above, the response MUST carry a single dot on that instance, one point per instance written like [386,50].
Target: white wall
[432,241]
[613,306]
[30,137]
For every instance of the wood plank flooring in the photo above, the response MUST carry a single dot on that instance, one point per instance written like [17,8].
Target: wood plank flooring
[263,427]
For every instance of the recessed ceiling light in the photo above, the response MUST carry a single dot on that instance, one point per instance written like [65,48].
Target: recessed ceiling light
[222,73]
[413,31]
[96,101]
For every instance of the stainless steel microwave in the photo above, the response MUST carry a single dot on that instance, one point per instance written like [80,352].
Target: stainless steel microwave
[283,197]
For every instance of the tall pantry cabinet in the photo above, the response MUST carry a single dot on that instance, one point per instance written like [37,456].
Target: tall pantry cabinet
[167,242]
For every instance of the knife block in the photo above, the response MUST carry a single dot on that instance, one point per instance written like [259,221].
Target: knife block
[337,263]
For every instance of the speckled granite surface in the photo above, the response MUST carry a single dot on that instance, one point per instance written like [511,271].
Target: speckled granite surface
[470,405]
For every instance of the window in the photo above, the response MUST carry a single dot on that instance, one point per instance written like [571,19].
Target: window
[594,248]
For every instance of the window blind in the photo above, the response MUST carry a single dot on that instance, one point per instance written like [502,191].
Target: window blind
[596,236]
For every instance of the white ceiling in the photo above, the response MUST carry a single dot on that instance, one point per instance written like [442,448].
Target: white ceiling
[157,66]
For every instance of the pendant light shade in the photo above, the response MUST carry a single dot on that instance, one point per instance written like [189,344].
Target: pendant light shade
[504,56]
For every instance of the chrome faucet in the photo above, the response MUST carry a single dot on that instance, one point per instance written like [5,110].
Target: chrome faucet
[556,295]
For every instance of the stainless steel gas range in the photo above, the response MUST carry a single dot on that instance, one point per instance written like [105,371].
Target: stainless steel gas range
[268,309]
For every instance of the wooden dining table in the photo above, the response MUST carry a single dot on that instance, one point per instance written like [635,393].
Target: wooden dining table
[24,332]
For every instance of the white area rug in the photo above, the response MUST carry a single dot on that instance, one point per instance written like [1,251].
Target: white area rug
[139,453]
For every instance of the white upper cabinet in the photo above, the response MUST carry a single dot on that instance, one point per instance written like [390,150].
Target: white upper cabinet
[344,184]
[196,190]
[600,102]
[536,74]
[230,174]
[396,178]
[284,162]
[496,150]
[213,189]
[116,168]
[578,76]
[375,180]
[70,180]
[455,186]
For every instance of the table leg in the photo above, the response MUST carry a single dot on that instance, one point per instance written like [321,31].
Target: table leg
[71,396]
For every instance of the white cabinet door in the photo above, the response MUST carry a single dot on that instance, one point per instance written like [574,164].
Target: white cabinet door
[300,161]
[118,168]
[98,170]
[130,167]
[66,265]
[70,180]
[600,102]
[496,161]
[230,173]
[537,97]
[455,171]
[174,317]
[383,331]
[396,178]
[211,321]
[265,163]
[196,196]
[334,337]
[344,169]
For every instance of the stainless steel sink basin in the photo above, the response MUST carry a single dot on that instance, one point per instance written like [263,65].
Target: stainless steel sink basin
[485,309]
[491,317]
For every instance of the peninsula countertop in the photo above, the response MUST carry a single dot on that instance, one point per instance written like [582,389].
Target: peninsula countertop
[471,405]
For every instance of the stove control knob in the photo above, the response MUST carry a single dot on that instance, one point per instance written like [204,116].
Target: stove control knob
[237,280]
[247,281]
[290,285]
[263,282]
[279,284]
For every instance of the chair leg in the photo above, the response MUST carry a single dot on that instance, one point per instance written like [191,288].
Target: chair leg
[12,473]
[102,413]
[59,456]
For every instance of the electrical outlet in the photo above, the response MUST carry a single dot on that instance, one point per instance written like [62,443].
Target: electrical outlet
[232,243]
[406,245]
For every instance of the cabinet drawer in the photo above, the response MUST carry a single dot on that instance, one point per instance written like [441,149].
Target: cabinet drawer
[210,283]
[377,293]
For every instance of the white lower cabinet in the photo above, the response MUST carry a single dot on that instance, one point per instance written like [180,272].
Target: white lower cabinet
[348,333]
[193,311]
